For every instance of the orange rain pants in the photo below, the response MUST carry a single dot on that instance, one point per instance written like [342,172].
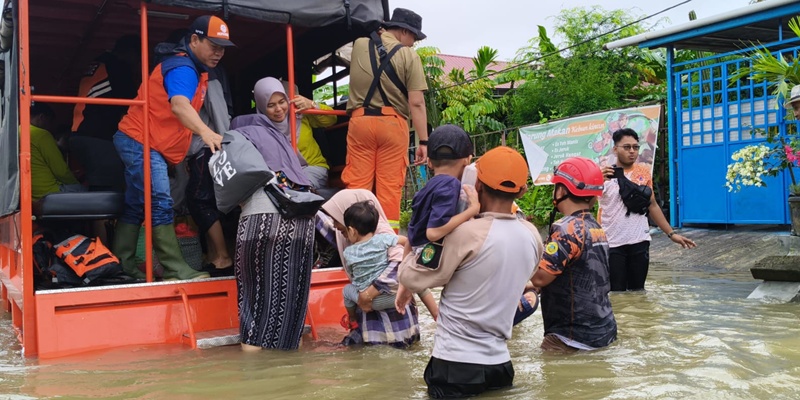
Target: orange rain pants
[377,158]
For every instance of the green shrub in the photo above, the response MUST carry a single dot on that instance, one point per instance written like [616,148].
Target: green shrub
[537,203]
[405,218]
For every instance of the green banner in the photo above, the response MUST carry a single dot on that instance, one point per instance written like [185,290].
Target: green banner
[589,136]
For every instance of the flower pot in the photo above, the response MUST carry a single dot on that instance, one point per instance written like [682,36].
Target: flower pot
[794,211]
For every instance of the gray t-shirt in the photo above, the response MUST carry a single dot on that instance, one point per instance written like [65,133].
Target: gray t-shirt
[484,266]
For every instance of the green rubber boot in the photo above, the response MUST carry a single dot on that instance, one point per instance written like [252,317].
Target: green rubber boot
[168,250]
[124,247]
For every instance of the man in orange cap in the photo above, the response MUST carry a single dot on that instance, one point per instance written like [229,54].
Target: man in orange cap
[573,272]
[483,265]
[177,91]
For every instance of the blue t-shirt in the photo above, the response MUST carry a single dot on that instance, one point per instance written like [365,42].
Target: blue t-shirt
[181,81]
[369,259]
[433,206]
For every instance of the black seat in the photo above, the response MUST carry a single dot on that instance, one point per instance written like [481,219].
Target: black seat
[79,206]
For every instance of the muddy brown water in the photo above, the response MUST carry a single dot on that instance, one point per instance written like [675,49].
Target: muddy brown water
[691,335]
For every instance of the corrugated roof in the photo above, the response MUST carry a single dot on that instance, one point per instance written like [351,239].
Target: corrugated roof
[452,62]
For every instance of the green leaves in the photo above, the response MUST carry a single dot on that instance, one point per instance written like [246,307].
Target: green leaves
[537,204]
[486,57]
[461,98]
[766,66]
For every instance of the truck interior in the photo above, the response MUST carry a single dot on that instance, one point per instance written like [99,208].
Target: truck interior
[44,48]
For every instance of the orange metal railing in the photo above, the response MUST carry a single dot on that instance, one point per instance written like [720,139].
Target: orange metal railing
[26,212]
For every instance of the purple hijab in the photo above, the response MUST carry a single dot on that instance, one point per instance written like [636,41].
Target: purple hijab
[267,137]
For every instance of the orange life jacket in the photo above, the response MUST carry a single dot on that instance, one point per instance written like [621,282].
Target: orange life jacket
[167,135]
[88,257]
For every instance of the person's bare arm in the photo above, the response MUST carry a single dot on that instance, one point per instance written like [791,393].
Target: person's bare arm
[661,221]
[542,278]
[188,117]
[419,119]
[430,304]
[434,234]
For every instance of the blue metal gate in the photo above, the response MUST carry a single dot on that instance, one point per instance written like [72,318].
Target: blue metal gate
[713,119]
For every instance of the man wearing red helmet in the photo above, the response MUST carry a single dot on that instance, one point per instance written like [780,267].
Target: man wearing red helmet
[573,272]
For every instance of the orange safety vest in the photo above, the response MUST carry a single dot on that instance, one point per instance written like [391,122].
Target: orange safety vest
[95,82]
[167,135]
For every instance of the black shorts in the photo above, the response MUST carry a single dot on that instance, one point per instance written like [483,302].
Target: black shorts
[450,379]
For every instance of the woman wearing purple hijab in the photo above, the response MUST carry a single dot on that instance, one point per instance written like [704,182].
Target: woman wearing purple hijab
[274,255]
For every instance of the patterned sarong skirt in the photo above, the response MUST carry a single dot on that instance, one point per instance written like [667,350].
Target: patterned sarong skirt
[273,274]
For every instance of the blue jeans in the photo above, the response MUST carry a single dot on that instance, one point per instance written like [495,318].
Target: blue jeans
[132,154]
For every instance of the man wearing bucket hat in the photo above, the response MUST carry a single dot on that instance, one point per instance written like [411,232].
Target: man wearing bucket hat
[573,272]
[177,89]
[483,266]
[386,88]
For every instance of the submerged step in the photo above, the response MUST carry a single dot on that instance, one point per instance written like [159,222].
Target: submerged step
[223,337]
[217,338]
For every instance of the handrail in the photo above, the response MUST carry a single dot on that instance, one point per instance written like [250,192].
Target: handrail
[290,66]
[86,100]
[185,298]
[312,325]
[30,333]
[324,112]
[148,209]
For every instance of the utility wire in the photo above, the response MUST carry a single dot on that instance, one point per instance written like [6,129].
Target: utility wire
[513,67]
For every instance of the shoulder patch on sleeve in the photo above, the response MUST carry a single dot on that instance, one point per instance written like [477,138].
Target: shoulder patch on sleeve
[551,248]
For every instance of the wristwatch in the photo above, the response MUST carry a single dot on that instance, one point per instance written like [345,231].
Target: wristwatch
[669,235]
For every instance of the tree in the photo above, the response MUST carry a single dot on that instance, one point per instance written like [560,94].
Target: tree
[781,71]
[472,103]
[433,65]
[585,77]
[463,98]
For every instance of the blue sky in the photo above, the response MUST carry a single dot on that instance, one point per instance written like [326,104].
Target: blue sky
[460,27]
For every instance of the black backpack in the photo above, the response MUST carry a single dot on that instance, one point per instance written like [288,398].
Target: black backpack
[635,197]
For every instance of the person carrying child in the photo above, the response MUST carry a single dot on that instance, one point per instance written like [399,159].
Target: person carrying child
[368,257]
[483,266]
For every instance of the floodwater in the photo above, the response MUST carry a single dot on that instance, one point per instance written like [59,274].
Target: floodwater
[692,335]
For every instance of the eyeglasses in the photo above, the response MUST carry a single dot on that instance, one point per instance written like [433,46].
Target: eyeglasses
[629,147]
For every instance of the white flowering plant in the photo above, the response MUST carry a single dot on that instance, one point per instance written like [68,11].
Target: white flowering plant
[755,162]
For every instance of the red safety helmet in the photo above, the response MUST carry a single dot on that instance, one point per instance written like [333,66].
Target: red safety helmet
[580,175]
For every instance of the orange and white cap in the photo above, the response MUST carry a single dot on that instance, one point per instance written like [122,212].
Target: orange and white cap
[503,168]
[213,28]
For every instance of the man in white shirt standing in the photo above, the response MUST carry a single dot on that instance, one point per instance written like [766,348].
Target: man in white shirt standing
[628,233]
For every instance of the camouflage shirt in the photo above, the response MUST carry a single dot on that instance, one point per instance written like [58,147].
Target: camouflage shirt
[576,304]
